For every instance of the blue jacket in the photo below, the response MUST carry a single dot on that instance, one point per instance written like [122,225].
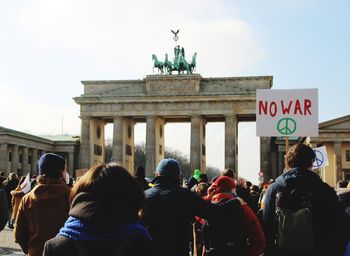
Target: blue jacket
[330,224]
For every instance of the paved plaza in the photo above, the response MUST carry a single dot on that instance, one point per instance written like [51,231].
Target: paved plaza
[7,243]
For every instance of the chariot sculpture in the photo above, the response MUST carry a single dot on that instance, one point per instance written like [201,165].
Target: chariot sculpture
[179,62]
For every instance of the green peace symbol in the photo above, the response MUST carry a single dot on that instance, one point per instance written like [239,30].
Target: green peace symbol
[286,126]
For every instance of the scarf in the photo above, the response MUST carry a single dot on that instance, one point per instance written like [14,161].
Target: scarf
[79,230]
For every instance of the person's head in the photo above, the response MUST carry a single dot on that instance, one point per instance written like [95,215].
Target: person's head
[203,178]
[214,179]
[51,165]
[228,173]
[115,189]
[300,155]
[21,180]
[2,174]
[168,167]
[12,176]
[342,184]
[240,182]
[140,172]
[201,189]
[247,185]
[254,188]
[224,184]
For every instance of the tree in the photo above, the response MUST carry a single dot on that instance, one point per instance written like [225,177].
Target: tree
[183,161]
[140,155]
[140,159]
[108,150]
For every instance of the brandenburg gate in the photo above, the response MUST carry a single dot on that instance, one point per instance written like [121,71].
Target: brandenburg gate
[160,99]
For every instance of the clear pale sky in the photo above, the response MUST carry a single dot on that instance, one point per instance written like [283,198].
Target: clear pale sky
[48,47]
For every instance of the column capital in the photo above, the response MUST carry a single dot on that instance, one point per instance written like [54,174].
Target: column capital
[118,118]
[85,118]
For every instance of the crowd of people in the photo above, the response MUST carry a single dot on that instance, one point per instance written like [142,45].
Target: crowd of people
[109,212]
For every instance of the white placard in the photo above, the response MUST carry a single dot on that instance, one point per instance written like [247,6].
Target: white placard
[321,158]
[287,112]
[26,185]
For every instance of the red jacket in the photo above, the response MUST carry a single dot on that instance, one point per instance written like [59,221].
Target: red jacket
[251,225]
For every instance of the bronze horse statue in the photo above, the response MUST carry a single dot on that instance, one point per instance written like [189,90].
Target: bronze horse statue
[157,64]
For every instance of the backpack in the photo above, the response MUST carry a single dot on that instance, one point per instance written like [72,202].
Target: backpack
[225,236]
[294,221]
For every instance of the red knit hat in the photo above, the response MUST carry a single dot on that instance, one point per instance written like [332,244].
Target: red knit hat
[224,184]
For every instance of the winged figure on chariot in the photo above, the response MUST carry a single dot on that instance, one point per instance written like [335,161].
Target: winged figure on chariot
[179,63]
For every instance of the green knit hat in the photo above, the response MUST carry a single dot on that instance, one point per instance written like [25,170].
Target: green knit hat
[197,173]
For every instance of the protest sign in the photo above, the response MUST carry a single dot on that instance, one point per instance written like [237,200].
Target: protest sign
[287,112]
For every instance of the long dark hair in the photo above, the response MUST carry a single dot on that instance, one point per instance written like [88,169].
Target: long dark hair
[112,184]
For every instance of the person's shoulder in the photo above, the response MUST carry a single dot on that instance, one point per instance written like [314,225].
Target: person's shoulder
[152,192]
[27,197]
[59,245]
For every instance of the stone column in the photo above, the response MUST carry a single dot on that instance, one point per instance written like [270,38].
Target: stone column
[4,158]
[265,157]
[150,167]
[338,162]
[34,162]
[85,147]
[197,154]
[231,148]
[117,151]
[25,165]
[71,163]
[14,160]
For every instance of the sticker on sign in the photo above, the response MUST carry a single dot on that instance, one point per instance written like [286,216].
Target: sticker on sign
[287,112]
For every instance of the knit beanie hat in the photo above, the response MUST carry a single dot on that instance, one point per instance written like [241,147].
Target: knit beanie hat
[168,167]
[197,173]
[224,184]
[51,164]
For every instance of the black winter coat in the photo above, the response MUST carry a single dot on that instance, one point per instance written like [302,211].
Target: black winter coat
[10,185]
[170,210]
[4,214]
[344,199]
[330,224]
